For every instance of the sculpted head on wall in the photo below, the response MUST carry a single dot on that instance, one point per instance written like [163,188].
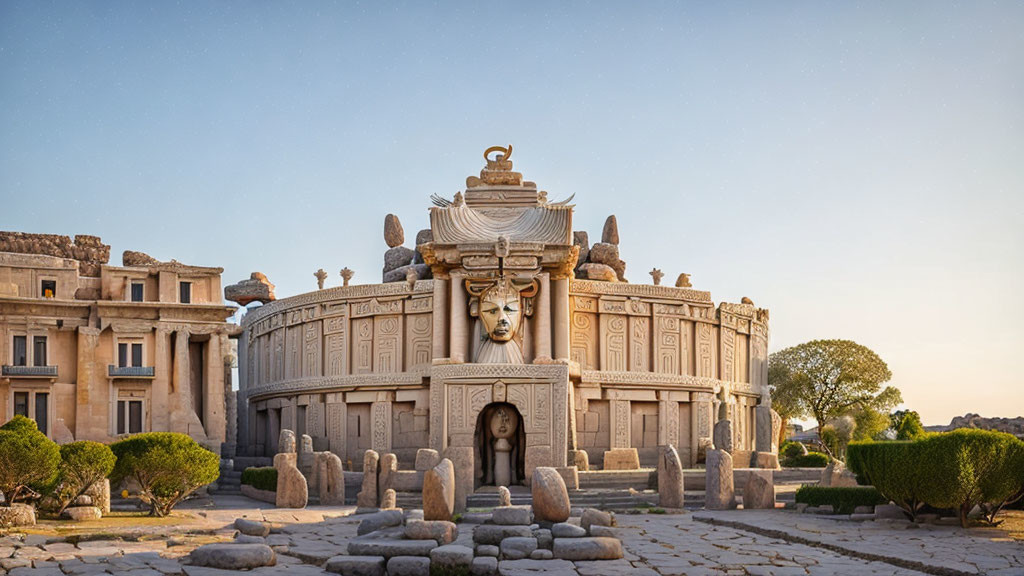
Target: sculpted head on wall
[501,304]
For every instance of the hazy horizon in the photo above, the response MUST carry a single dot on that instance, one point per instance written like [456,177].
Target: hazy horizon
[856,169]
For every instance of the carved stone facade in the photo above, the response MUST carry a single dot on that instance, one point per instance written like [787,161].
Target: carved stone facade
[502,327]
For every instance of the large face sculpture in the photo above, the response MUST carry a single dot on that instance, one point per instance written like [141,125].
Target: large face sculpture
[500,311]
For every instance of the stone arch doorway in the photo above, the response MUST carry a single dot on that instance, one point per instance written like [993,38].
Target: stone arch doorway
[499,446]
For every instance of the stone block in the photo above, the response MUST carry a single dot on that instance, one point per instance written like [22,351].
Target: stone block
[100,494]
[332,479]
[387,472]
[487,550]
[493,534]
[484,566]
[292,490]
[378,520]
[427,458]
[357,565]
[759,491]
[408,566]
[367,497]
[439,492]
[566,530]
[621,459]
[451,558]
[550,497]
[719,493]
[251,527]
[589,548]
[517,547]
[580,459]
[511,516]
[17,515]
[389,548]
[81,513]
[766,460]
[670,479]
[441,531]
[593,517]
[570,475]
[722,435]
[230,556]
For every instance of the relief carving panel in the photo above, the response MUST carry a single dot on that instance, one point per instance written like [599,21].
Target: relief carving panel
[584,340]
[613,342]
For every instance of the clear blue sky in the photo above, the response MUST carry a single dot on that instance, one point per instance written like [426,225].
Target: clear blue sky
[856,168]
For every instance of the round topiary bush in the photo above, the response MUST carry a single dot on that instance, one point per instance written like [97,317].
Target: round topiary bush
[28,459]
[167,466]
[809,460]
[792,450]
[82,464]
[262,478]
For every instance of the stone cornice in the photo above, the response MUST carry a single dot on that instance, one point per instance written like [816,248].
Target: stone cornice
[587,287]
[645,379]
[302,385]
[338,293]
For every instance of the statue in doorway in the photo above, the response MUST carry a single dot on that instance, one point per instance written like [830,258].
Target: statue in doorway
[500,442]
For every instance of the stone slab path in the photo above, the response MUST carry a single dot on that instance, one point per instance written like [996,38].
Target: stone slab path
[753,543]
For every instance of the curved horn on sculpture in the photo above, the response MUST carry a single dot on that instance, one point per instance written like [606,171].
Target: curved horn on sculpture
[506,150]
[439,201]
[564,202]
[527,286]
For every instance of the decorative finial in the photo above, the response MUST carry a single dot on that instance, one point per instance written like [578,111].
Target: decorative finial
[507,153]
[346,275]
[320,277]
[411,276]
[458,201]
[746,300]
[657,275]
[683,281]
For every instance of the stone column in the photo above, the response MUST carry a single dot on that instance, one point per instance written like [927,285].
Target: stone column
[380,425]
[163,368]
[214,404]
[180,401]
[459,348]
[87,425]
[273,430]
[241,398]
[621,424]
[337,425]
[542,320]
[440,318]
[560,317]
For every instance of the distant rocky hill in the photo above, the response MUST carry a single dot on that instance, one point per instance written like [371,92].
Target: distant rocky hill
[1014,426]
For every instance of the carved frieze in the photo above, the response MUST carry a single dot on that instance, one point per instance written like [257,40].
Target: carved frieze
[584,340]
[639,344]
[387,344]
[613,342]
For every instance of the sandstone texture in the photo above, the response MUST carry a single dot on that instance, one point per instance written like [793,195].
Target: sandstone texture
[511,516]
[593,517]
[759,491]
[367,497]
[670,478]
[81,513]
[251,527]
[610,233]
[589,548]
[394,235]
[233,556]
[621,459]
[439,491]
[719,493]
[427,458]
[255,289]
[599,272]
[17,515]
[550,497]
[331,479]
[441,531]
[723,435]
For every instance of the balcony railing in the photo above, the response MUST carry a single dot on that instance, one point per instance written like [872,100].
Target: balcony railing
[129,371]
[30,371]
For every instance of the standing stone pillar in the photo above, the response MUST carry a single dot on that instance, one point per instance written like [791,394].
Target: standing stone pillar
[621,425]
[180,396]
[542,321]
[380,424]
[337,426]
[241,398]
[459,347]
[560,317]
[440,318]
[159,397]
[88,424]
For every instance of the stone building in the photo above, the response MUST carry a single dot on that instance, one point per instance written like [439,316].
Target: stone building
[94,352]
[505,342]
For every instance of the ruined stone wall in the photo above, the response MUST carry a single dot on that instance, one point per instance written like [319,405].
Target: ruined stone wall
[90,251]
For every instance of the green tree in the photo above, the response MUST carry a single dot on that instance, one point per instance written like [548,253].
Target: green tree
[168,467]
[830,377]
[28,459]
[82,464]
[787,400]
[907,424]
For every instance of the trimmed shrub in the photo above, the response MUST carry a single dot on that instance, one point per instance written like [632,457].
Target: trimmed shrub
[973,468]
[809,460]
[792,449]
[958,470]
[82,464]
[28,459]
[842,499]
[167,466]
[264,478]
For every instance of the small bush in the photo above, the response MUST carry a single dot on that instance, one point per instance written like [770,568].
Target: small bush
[264,478]
[842,499]
[82,464]
[28,459]
[809,460]
[167,466]
[792,449]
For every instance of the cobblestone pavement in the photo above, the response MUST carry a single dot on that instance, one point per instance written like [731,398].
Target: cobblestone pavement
[655,545]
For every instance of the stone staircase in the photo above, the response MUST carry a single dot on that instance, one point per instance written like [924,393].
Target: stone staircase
[230,481]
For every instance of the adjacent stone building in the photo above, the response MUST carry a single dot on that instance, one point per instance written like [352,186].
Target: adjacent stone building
[94,352]
[506,342]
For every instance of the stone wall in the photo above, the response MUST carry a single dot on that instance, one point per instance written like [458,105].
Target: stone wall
[90,251]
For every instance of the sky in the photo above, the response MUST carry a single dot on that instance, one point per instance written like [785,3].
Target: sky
[857,168]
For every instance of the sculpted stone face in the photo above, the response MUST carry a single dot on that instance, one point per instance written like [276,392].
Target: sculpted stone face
[500,311]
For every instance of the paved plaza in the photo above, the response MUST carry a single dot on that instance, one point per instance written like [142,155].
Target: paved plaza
[733,542]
